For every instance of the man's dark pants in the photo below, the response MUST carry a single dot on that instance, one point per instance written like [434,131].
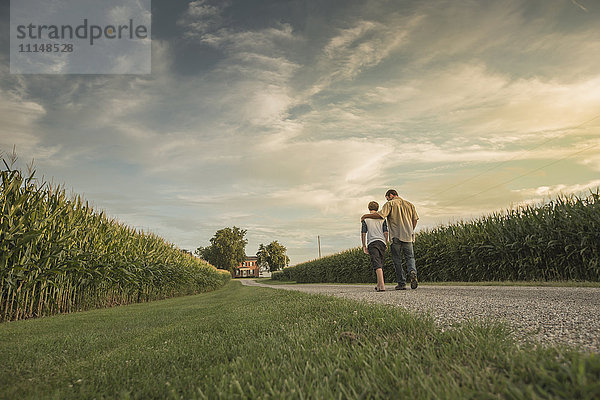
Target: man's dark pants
[398,247]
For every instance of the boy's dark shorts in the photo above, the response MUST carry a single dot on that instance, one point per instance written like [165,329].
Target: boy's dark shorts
[377,253]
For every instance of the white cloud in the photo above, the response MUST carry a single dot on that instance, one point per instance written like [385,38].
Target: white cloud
[479,102]
[534,105]
[200,18]
[18,118]
[544,193]
[591,158]
[579,5]
[359,48]
[268,40]
[254,76]
[362,46]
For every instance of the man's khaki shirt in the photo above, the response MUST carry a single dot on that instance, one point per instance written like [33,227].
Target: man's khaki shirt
[400,215]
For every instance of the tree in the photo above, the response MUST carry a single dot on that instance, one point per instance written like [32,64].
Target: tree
[227,248]
[272,256]
[262,257]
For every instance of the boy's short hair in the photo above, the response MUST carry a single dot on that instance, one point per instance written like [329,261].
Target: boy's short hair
[373,206]
[391,192]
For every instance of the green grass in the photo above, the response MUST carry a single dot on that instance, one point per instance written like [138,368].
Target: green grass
[249,342]
[270,281]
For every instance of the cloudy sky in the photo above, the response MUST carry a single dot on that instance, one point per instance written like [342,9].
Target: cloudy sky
[286,118]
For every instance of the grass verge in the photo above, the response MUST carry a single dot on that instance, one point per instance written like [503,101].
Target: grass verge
[251,342]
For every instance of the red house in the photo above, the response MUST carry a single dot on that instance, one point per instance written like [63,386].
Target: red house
[247,269]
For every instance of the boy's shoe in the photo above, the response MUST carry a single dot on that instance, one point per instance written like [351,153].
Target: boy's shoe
[379,290]
[413,280]
[401,287]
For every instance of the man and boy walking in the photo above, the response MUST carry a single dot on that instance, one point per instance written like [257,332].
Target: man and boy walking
[397,219]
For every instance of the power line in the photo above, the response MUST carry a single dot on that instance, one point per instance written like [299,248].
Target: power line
[511,159]
[525,174]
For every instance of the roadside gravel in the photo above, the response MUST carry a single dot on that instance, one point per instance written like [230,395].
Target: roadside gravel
[547,315]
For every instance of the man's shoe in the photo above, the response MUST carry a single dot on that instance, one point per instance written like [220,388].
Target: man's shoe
[413,280]
[401,287]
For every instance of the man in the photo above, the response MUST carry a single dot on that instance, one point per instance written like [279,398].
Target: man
[402,219]
[374,235]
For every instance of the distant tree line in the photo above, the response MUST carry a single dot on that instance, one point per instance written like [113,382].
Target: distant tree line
[227,250]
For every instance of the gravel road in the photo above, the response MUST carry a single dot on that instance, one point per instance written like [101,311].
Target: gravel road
[550,315]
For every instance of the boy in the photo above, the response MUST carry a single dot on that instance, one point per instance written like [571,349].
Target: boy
[374,234]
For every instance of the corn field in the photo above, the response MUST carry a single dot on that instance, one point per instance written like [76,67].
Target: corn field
[559,240]
[58,255]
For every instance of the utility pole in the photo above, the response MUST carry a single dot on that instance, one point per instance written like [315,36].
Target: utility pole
[319,240]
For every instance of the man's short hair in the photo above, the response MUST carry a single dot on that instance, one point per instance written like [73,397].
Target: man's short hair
[391,192]
[373,206]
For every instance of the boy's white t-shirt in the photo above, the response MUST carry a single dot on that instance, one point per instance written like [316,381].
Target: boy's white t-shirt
[374,228]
